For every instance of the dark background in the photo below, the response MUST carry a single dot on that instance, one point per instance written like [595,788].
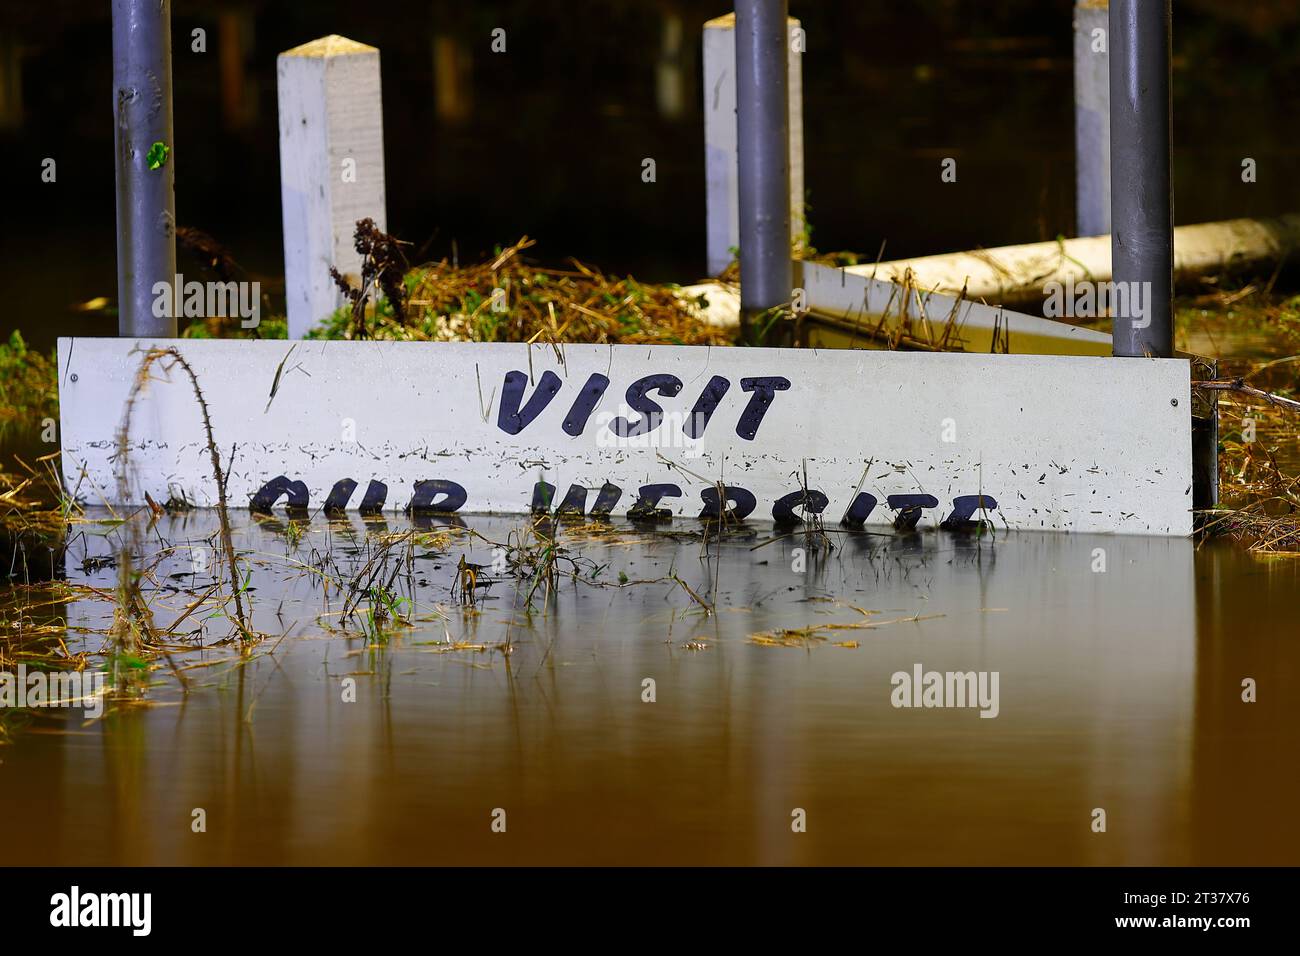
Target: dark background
[547,139]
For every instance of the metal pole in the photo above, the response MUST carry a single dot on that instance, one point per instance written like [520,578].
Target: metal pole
[763,140]
[146,200]
[1142,243]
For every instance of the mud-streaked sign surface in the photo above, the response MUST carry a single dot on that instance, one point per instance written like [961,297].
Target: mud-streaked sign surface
[1030,442]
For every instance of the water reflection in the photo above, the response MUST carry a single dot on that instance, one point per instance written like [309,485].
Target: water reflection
[1120,690]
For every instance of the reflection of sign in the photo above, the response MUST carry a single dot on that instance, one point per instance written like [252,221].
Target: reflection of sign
[650,431]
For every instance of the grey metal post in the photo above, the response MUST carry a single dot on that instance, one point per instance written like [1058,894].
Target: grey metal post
[1091,118]
[146,200]
[1142,238]
[763,140]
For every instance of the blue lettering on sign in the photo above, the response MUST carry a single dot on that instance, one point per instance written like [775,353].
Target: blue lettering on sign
[452,496]
[372,503]
[543,495]
[510,418]
[652,412]
[585,404]
[647,504]
[574,503]
[762,391]
[909,509]
[705,406]
[436,496]
[963,512]
[859,511]
[514,414]
[443,497]
[272,491]
[742,503]
[339,495]
[606,500]
[813,501]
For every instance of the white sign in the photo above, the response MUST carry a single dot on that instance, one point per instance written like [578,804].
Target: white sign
[1030,442]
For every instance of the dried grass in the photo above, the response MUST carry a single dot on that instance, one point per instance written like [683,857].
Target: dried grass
[508,299]
[1260,497]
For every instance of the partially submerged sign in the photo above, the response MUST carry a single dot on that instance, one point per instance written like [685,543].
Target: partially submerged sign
[1031,442]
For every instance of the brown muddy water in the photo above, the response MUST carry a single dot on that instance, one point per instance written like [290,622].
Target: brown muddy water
[1118,689]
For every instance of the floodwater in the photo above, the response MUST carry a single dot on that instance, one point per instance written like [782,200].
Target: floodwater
[1118,689]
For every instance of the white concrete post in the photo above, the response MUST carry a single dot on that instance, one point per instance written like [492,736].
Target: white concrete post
[331,168]
[1092,117]
[721,167]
